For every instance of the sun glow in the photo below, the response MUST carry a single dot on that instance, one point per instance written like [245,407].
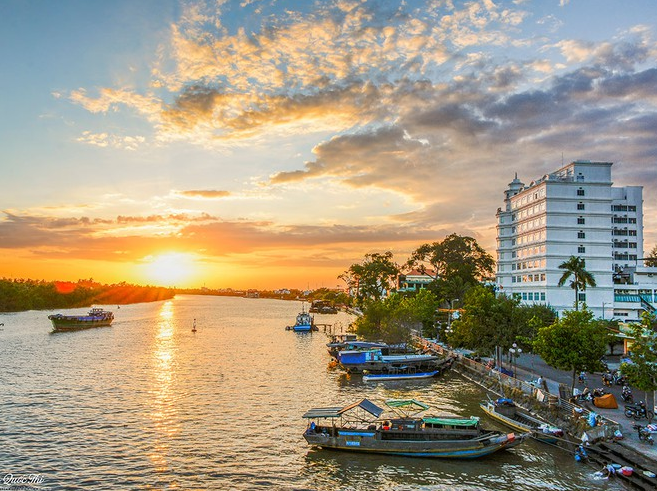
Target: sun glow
[171,269]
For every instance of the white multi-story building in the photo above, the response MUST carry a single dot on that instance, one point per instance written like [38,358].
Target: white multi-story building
[575,211]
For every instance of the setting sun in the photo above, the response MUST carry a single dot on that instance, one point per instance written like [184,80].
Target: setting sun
[171,269]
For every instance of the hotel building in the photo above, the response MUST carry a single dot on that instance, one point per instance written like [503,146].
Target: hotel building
[575,211]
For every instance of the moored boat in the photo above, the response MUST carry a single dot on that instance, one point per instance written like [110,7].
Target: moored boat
[303,323]
[96,317]
[359,427]
[507,412]
[377,360]
[399,375]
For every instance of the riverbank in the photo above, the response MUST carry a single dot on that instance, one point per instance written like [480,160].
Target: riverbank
[543,399]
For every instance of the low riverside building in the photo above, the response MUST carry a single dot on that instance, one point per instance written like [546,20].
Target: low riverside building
[414,280]
[575,211]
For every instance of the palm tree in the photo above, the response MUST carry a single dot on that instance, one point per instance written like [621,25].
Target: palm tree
[575,267]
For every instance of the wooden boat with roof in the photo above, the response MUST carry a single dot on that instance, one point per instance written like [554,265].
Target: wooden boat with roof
[96,317]
[507,412]
[360,427]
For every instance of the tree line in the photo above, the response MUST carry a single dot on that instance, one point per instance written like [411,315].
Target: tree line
[24,294]
[484,320]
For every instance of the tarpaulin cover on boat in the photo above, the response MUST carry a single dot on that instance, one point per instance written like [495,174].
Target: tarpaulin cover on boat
[336,412]
[607,401]
[452,421]
[407,403]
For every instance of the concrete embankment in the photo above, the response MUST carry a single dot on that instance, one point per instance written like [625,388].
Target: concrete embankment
[602,444]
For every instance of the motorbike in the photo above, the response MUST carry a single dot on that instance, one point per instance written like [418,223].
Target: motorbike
[607,379]
[638,411]
[619,379]
[599,392]
[644,434]
[582,378]
[626,395]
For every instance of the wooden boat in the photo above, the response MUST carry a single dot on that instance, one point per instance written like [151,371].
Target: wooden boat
[96,317]
[359,427]
[507,412]
[399,375]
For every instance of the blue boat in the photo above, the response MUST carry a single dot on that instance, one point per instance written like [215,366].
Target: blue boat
[400,375]
[304,322]
[359,427]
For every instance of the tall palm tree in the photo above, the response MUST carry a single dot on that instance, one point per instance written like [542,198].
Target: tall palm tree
[575,266]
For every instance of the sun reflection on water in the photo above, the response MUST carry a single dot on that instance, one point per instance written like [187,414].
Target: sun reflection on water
[163,404]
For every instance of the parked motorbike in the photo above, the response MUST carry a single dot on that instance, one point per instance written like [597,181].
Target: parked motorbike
[599,392]
[644,434]
[607,379]
[638,411]
[582,377]
[618,378]
[583,396]
[626,395]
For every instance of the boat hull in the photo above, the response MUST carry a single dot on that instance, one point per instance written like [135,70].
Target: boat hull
[382,377]
[367,442]
[302,328]
[524,423]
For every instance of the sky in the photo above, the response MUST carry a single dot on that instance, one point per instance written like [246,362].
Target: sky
[272,144]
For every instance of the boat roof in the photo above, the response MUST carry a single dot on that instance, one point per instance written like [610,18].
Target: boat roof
[408,404]
[336,412]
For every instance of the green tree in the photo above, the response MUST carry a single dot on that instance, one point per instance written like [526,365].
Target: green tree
[575,342]
[651,260]
[373,277]
[642,372]
[394,319]
[575,266]
[454,256]
[486,321]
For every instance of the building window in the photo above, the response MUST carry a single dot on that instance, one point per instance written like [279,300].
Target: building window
[580,206]
[580,192]
[581,221]
[581,249]
[543,296]
[582,297]
[581,235]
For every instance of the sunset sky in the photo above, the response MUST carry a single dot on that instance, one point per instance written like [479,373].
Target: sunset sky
[271,144]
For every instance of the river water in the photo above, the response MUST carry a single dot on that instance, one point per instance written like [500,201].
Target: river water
[149,404]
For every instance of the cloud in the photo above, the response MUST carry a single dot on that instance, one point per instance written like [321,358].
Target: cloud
[104,140]
[203,193]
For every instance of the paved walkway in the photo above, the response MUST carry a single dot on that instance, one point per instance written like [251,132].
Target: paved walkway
[530,366]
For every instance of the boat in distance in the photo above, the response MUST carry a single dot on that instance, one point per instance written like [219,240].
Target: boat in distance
[359,427]
[507,412]
[96,317]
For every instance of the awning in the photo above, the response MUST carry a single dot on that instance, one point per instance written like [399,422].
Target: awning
[410,404]
[336,412]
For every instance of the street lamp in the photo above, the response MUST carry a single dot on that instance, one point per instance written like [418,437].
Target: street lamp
[515,353]
[451,314]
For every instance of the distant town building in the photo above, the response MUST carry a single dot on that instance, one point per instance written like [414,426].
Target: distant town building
[575,211]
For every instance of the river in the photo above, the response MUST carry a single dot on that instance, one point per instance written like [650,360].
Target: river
[147,404]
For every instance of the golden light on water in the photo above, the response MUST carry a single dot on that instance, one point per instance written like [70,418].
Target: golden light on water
[163,410]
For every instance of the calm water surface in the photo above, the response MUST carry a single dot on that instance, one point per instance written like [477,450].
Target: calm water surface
[148,404]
